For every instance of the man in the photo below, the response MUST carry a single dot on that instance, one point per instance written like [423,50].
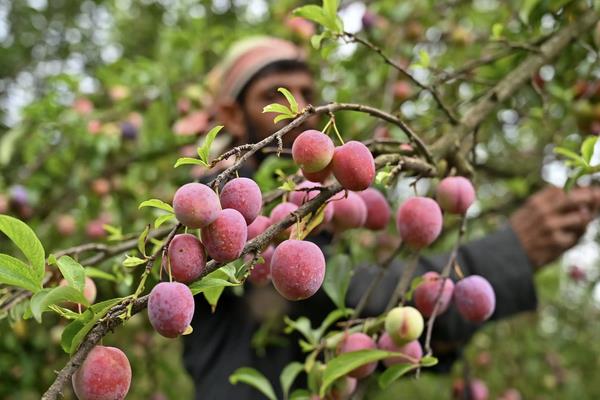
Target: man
[549,223]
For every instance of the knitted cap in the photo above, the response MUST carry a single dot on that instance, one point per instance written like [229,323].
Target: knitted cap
[244,60]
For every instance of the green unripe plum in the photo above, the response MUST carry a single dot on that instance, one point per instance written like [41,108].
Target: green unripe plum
[404,324]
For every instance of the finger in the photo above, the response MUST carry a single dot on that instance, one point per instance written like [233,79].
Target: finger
[564,239]
[577,198]
[571,220]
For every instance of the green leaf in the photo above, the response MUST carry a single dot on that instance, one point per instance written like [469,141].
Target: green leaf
[141,242]
[281,117]
[98,273]
[330,319]
[413,285]
[156,203]
[526,9]
[303,326]
[428,361]
[312,12]
[346,362]
[114,233]
[277,108]
[75,332]
[587,148]
[300,394]
[204,150]
[337,279]
[290,98]
[424,58]
[47,297]
[26,240]
[207,283]
[189,160]
[252,377]
[333,23]
[133,261]
[316,40]
[394,372]
[16,273]
[162,219]
[288,376]
[212,296]
[497,29]
[576,158]
[73,272]
[330,7]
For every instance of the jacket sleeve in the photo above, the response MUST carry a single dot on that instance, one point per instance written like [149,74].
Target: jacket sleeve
[499,257]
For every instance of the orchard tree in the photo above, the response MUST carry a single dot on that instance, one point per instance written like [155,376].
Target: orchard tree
[465,86]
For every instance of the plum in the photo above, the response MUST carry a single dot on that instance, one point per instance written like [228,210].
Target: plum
[411,349]
[243,195]
[258,226]
[355,342]
[404,324]
[353,166]
[474,298]
[105,374]
[455,194]
[428,291]
[261,272]
[187,257]
[279,213]
[170,308]
[196,205]
[419,221]
[297,269]
[349,212]
[378,209]
[89,292]
[312,151]
[226,236]
[319,176]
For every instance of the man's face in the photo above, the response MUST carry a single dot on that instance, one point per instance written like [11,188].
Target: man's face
[263,91]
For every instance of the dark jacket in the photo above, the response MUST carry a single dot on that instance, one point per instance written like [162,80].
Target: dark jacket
[221,342]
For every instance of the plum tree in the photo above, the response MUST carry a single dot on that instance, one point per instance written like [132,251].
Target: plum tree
[455,194]
[226,236]
[474,298]
[353,166]
[261,272]
[404,324]
[355,342]
[196,205]
[258,226]
[187,257]
[378,209]
[243,195]
[104,374]
[170,308]
[312,151]
[411,349]
[297,269]
[419,221]
[279,212]
[349,212]
[426,294]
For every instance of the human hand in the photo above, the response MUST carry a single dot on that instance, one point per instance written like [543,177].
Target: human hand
[552,221]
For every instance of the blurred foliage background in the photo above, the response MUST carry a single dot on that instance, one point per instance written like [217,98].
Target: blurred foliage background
[99,98]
